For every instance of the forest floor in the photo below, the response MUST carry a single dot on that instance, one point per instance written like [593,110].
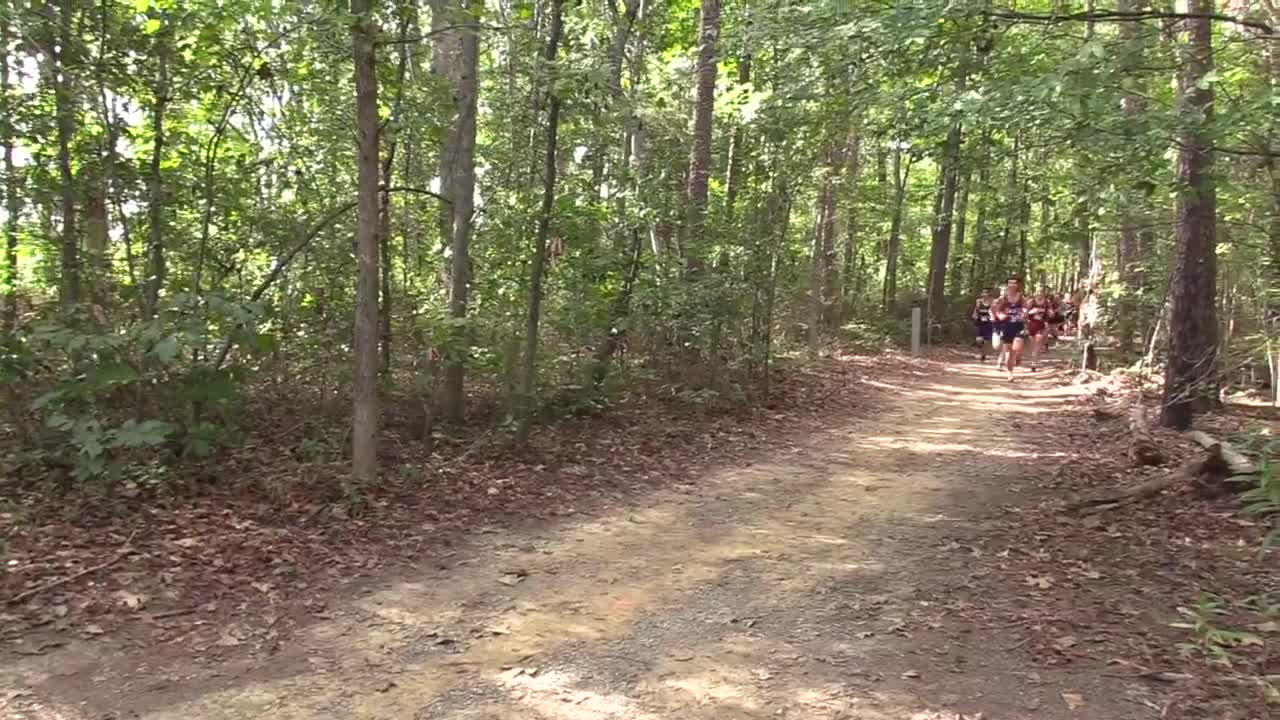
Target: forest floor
[909,558]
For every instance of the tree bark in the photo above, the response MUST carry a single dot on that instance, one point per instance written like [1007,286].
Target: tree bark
[1190,381]
[696,191]
[529,371]
[63,57]
[12,197]
[364,424]
[457,57]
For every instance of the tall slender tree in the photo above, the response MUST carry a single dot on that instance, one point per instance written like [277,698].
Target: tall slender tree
[364,424]
[1190,381]
[457,58]
[704,98]
[538,258]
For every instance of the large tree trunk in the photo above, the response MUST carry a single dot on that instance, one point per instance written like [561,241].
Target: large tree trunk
[156,267]
[1190,381]
[63,58]
[364,423]
[456,56]
[12,198]
[529,370]
[704,97]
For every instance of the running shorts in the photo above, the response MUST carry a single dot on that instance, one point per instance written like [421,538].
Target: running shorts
[1011,330]
[984,330]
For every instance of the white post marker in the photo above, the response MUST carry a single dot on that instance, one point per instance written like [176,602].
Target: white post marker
[915,330]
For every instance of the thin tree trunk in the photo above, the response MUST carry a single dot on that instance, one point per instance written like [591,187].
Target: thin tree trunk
[697,190]
[977,265]
[12,198]
[961,218]
[63,57]
[1132,215]
[738,156]
[457,54]
[386,268]
[901,174]
[529,371]
[1190,382]
[939,253]
[849,261]
[156,267]
[364,424]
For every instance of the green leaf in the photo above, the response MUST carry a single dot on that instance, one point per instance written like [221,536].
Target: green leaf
[166,351]
[152,26]
[148,433]
[109,374]
[141,6]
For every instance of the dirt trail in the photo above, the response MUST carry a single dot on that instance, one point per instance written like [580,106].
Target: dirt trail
[787,589]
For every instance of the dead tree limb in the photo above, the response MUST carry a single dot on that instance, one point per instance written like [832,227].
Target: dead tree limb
[1239,464]
[1205,473]
[1143,448]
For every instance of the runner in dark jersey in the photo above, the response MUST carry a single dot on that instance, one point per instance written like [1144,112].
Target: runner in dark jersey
[982,323]
[1010,313]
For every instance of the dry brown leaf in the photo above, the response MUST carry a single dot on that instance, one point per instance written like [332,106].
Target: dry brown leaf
[1074,701]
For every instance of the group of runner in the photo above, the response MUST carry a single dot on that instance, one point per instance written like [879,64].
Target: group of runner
[1006,322]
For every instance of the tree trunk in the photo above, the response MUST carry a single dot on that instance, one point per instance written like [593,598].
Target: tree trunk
[738,156]
[1190,381]
[961,217]
[63,58]
[156,267]
[529,371]
[12,198]
[696,191]
[405,9]
[457,56]
[1132,200]
[940,251]
[848,262]
[977,265]
[1092,284]
[364,423]
[901,174]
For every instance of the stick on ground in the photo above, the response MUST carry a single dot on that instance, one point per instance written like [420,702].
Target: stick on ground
[124,550]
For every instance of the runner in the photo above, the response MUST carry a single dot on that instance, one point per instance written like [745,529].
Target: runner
[1011,315]
[1056,319]
[982,324]
[997,342]
[1038,311]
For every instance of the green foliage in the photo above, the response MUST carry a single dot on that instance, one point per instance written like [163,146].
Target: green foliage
[1207,638]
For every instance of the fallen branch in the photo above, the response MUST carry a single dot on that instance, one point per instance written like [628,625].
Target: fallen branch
[1143,448]
[1197,471]
[1239,464]
[124,550]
